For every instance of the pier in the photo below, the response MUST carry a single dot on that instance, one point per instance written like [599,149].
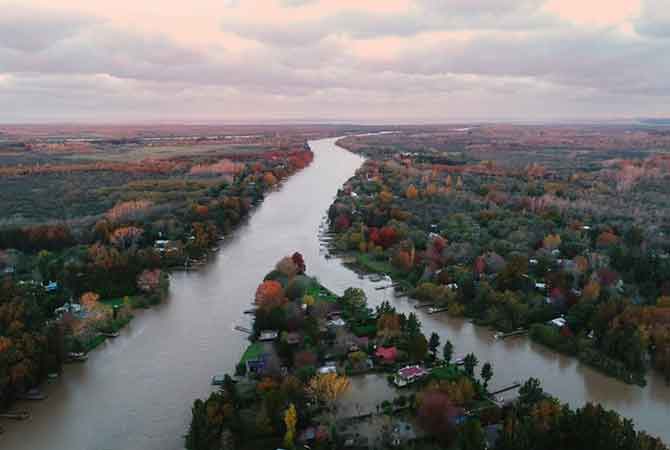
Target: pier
[243,329]
[501,335]
[19,415]
[515,385]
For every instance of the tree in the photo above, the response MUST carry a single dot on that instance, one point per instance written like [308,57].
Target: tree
[531,392]
[487,374]
[471,436]
[299,262]
[328,388]
[413,325]
[412,192]
[434,344]
[287,267]
[436,414]
[290,420]
[448,352]
[269,294]
[417,347]
[470,362]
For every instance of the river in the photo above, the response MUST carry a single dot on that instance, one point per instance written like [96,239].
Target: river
[135,392]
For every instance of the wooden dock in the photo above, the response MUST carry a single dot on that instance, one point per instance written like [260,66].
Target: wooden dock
[243,329]
[515,385]
[423,305]
[19,415]
[501,335]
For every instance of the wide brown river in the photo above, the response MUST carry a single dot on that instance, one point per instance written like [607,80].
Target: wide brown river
[135,392]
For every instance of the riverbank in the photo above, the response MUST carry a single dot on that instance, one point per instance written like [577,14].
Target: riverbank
[122,265]
[549,336]
[436,229]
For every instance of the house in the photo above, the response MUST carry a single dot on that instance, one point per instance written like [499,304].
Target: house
[408,375]
[254,358]
[386,355]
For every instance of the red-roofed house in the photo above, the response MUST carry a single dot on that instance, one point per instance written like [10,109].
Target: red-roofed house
[387,354]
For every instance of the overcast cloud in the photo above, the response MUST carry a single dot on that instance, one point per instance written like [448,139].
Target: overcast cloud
[322,60]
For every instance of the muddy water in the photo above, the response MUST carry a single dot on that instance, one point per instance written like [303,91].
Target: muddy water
[135,392]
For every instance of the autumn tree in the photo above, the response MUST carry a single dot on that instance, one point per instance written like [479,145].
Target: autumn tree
[299,262]
[436,414]
[269,294]
[290,420]
[388,325]
[328,388]
[126,237]
[287,267]
[412,192]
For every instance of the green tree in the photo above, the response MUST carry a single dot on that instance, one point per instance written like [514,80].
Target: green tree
[531,392]
[448,351]
[413,325]
[417,347]
[470,362]
[434,344]
[471,436]
[487,374]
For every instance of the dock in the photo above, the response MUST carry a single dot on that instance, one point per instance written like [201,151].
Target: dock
[500,335]
[19,415]
[243,329]
[424,305]
[515,385]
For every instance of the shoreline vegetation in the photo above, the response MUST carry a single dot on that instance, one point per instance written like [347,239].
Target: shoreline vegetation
[66,289]
[324,371]
[487,232]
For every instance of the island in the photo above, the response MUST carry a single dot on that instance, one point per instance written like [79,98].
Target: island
[325,371]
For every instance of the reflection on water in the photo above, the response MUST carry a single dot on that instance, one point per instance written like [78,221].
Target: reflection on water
[136,391]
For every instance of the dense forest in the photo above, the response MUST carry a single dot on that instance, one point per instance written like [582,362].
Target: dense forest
[574,249]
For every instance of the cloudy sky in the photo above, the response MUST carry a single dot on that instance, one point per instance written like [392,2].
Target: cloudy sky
[333,60]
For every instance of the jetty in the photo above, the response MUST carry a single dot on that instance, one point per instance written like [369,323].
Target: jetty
[432,310]
[512,386]
[424,305]
[19,415]
[243,329]
[501,335]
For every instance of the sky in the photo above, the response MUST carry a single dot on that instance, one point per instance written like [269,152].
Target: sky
[367,61]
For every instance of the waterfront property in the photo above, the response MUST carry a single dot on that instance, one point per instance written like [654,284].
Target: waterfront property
[409,374]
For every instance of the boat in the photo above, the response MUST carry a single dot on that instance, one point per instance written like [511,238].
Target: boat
[111,335]
[33,394]
[76,357]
